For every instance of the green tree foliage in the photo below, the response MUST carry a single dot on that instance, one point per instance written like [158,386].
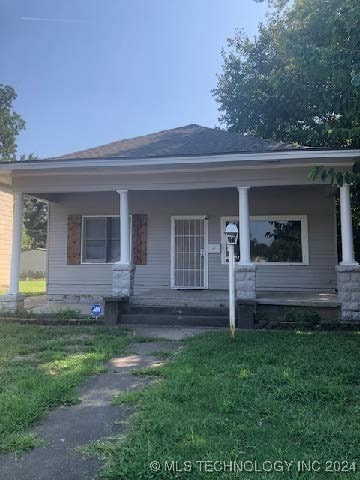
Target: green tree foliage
[35,211]
[10,124]
[298,81]
[35,219]
[35,223]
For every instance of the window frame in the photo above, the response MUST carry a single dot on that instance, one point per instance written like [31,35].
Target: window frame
[83,218]
[304,236]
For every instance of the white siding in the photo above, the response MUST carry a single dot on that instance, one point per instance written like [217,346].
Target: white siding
[317,202]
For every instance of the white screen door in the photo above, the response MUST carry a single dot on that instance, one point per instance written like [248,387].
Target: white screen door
[189,260]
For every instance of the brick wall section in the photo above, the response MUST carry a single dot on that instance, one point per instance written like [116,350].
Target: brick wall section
[6,215]
[245,282]
[348,278]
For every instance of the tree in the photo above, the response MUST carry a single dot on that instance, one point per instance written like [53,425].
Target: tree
[35,211]
[35,223]
[298,80]
[10,124]
[35,219]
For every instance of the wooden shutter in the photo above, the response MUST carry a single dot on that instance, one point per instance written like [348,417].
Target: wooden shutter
[139,239]
[74,240]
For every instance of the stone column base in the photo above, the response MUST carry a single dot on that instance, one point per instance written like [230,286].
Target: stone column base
[123,279]
[12,303]
[348,281]
[245,282]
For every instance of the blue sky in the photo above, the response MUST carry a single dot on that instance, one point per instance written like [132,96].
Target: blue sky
[88,72]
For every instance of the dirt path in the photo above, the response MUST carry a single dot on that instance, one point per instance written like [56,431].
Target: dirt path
[67,428]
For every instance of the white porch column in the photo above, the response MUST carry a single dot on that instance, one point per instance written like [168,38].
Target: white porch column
[14,301]
[348,271]
[346,227]
[16,244]
[244,226]
[124,228]
[123,271]
[245,270]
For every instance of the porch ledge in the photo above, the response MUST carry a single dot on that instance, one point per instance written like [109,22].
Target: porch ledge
[294,299]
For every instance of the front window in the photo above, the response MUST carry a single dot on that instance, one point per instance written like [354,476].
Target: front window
[101,239]
[274,239]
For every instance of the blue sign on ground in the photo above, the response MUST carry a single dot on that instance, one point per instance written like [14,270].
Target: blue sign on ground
[96,310]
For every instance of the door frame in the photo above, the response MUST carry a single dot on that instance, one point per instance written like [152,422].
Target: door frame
[172,250]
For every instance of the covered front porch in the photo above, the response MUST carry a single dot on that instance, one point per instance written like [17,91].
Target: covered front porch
[159,234]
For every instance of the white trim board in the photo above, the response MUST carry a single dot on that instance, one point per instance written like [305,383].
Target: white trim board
[275,156]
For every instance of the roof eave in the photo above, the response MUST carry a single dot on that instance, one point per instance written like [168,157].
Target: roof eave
[274,157]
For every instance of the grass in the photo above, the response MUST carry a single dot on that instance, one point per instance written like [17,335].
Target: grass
[265,396]
[131,397]
[30,287]
[33,287]
[40,368]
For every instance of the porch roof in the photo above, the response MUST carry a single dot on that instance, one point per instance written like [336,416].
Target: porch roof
[187,151]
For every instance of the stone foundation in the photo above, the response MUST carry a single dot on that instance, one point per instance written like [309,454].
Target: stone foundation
[245,282]
[83,299]
[123,280]
[348,280]
[12,303]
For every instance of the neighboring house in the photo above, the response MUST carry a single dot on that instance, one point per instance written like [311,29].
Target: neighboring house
[6,214]
[33,263]
[147,216]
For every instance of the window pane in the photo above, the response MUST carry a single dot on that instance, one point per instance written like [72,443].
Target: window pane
[95,251]
[276,241]
[115,228]
[114,251]
[95,228]
[101,242]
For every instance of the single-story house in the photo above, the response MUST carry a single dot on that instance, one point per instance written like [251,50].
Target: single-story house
[146,216]
[6,215]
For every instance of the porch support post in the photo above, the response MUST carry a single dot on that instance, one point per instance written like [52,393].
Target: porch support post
[348,271]
[14,300]
[245,270]
[124,228]
[244,226]
[347,240]
[123,271]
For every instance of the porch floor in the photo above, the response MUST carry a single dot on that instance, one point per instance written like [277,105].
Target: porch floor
[219,298]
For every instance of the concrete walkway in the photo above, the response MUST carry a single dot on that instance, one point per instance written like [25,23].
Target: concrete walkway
[67,428]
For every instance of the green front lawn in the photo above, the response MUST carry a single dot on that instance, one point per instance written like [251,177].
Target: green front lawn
[30,287]
[40,368]
[264,397]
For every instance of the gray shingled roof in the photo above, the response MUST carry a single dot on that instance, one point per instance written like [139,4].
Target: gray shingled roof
[182,141]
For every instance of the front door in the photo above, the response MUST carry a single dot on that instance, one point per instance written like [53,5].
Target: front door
[189,262]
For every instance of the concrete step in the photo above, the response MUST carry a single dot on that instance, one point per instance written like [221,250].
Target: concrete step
[186,303]
[177,310]
[168,319]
